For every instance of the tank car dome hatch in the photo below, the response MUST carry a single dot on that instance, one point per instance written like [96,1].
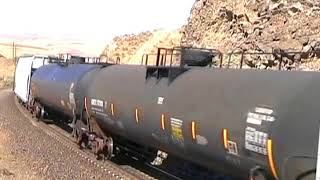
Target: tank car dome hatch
[197,56]
[76,60]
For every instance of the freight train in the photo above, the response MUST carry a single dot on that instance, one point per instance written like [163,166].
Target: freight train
[244,122]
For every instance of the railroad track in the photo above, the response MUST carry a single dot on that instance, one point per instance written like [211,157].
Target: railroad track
[114,171]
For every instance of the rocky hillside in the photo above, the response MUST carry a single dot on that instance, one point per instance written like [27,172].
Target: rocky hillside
[254,25]
[131,47]
[6,72]
[237,26]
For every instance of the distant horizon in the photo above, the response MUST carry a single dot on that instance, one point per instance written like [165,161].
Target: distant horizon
[59,43]
[68,37]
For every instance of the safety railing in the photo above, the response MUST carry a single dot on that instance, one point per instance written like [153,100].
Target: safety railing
[275,60]
[169,57]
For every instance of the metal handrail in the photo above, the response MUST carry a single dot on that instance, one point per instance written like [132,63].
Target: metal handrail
[282,58]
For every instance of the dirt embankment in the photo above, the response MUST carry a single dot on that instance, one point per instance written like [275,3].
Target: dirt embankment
[7,68]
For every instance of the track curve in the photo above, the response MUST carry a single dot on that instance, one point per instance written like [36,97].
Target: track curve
[37,142]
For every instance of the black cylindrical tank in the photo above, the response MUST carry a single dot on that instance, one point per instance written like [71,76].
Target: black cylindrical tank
[231,120]
[56,86]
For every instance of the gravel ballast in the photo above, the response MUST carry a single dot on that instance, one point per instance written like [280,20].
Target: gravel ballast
[38,155]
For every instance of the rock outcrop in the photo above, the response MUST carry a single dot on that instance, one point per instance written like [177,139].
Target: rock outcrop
[233,26]
[130,48]
[254,25]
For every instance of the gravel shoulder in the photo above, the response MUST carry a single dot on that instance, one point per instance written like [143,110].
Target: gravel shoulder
[26,152]
[11,165]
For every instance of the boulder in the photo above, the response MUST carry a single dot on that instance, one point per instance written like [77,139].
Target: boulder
[305,53]
[304,41]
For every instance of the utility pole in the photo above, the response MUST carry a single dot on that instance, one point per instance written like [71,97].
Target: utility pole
[13,51]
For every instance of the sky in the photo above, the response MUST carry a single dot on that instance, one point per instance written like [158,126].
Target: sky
[91,19]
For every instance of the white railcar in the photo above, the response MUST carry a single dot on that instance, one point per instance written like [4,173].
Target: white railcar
[24,69]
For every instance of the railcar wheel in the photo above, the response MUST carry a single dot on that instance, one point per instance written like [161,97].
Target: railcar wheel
[102,147]
[30,105]
[19,101]
[257,173]
[38,113]
[109,148]
[42,113]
